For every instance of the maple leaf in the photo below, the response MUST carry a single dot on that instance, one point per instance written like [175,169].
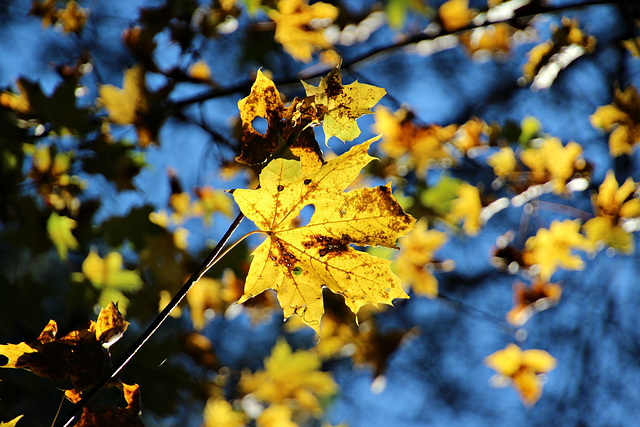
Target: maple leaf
[416,251]
[300,26]
[264,102]
[467,207]
[613,205]
[622,119]
[401,137]
[109,416]
[555,161]
[503,162]
[290,375]
[297,262]
[59,231]
[72,17]
[81,355]
[455,14]
[107,275]
[522,369]
[342,105]
[533,299]
[552,248]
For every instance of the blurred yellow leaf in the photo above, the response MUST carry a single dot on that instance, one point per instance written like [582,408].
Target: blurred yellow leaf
[59,231]
[123,104]
[220,413]
[622,119]
[290,375]
[533,299]
[455,14]
[401,137]
[73,18]
[553,162]
[416,252]
[467,207]
[503,162]
[200,71]
[300,26]
[523,368]
[17,102]
[342,105]
[552,248]
[276,416]
[297,262]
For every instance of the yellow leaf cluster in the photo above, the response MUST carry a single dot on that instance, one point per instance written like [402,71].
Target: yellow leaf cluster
[59,231]
[493,39]
[72,18]
[297,262]
[416,252]
[523,369]
[552,248]
[467,207]
[107,275]
[469,135]
[292,378]
[613,204]
[552,161]
[423,145]
[622,119]
[342,105]
[300,26]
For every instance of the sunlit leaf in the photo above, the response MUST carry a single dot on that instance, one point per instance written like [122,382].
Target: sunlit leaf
[297,262]
[59,230]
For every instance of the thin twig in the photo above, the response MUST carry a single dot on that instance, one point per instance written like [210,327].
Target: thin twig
[157,322]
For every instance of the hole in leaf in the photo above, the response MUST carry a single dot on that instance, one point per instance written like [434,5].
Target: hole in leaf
[3,360]
[260,125]
[305,215]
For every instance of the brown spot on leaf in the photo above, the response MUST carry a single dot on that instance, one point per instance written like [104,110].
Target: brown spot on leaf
[307,181]
[285,257]
[329,244]
[280,187]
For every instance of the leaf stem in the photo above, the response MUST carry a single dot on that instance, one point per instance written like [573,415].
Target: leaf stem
[213,257]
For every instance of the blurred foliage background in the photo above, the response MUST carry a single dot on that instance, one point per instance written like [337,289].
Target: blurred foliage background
[508,129]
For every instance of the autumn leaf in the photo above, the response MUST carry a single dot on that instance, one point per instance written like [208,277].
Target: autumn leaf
[552,161]
[289,375]
[81,355]
[342,105]
[276,416]
[220,413]
[423,145]
[298,262]
[264,102]
[467,207]
[300,26]
[552,248]
[11,423]
[529,300]
[622,119]
[200,71]
[59,231]
[455,14]
[107,275]
[416,252]
[503,162]
[129,416]
[614,204]
[73,18]
[522,369]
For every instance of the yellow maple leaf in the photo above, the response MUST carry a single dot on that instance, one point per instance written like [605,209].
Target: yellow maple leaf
[401,137]
[59,231]
[220,413]
[467,207]
[342,105]
[523,369]
[622,119]
[72,17]
[108,276]
[455,14]
[300,26]
[298,262]
[290,375]
[416,252]
[553,161]
[613,204]
[552,248]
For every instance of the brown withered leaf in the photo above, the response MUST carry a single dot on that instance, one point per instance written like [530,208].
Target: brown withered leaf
[109,416]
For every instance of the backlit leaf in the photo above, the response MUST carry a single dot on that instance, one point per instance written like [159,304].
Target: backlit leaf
[59,230]
[298,262]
